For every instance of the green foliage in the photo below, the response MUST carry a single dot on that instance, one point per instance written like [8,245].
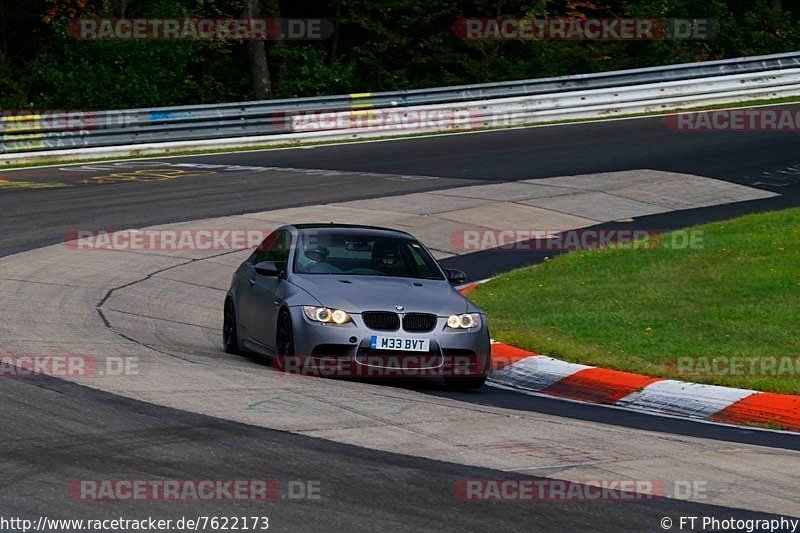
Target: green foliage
[379,45]
[304,71]
[118,74]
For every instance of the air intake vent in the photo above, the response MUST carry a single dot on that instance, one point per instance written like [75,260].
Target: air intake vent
[419,322]
[381,320]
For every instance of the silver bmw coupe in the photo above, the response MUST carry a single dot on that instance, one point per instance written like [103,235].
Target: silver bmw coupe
[345,300]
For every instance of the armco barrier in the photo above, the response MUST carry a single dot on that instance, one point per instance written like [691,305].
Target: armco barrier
[143,131]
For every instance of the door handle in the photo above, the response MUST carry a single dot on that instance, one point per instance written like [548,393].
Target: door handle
[277,301]
[252,282]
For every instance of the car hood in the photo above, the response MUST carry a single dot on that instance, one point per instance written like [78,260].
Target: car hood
[355,294]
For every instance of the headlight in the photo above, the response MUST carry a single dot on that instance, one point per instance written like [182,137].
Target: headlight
[465,321]
[327,316]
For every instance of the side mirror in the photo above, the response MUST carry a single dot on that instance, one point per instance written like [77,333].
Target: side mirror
[267,268]
[455,277]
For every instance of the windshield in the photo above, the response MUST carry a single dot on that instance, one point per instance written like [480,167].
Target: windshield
[332,252]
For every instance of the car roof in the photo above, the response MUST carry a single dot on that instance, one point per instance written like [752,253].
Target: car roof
[352,228]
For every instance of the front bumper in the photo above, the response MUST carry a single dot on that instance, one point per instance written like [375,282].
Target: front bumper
[344,351]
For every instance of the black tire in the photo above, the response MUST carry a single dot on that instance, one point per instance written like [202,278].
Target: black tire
[230,334]
[469,382]
[284,339]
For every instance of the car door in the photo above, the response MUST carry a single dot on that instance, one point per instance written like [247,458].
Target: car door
[266,292]
[247,308]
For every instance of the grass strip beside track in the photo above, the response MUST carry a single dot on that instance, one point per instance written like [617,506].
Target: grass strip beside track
[688,314]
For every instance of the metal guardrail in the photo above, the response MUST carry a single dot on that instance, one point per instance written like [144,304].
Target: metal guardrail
[508,103]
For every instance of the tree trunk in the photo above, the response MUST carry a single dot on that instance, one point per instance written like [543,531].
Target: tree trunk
[335,41]
[261,85]
[122,8]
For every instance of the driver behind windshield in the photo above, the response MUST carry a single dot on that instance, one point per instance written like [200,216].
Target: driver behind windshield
[314,260]
[386,258]
[352,253]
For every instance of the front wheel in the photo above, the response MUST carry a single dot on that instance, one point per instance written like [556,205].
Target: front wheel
[284,339]
[470,382]
[230,336]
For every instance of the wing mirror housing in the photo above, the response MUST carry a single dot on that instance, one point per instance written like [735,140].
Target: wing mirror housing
[455,277]
[267,268]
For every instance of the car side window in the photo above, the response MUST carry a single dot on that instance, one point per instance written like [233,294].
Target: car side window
[274,248]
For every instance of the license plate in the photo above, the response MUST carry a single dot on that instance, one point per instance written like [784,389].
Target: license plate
[401,344]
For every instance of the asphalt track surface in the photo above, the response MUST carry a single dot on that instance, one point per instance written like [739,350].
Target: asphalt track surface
[33,218]
[55,431]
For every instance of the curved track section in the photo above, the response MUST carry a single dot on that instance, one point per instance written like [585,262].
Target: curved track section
[159,191]
[163,310]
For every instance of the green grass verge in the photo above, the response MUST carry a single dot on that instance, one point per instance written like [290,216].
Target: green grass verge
[637,310]
[300,144]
